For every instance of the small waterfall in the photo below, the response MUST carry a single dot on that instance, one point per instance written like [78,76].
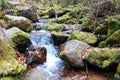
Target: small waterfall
[43,38]
[56,16]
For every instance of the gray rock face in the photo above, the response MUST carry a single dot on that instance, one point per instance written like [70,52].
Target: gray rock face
[29,12]
[3,34]
[73,52]
[10,12]
[10,32]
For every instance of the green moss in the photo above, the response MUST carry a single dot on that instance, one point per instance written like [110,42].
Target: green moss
[20,41]
[55,27]
[48,13]
[45,17]
[101,29]
[113,24]
[12,68]
[7,78]
[82,36]
[78,11]
[63,18]
[6,50]
[114,39]
[8,64]
[102,44]
[117,75]
[59,38]
[104,58]
[64,57]
[111,41]
[88,23]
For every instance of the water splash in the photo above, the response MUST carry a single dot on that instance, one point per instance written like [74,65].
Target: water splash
[43,38]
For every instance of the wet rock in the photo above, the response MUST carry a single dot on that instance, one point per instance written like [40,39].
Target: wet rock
[40,26]
[20,41]
[105,8]
[72,52]
[88,38]
[38,56]
[9,66]
[20,22]
[103,58]
[59,38]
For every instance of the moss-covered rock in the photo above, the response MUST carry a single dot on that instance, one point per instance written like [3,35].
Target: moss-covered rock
[48,13]
[9,66]
[88,23]
[20,41]
[84,37]
[79,11]
[63,18]
[72,53]
[103,58]
[113,24]
[59,38]
[117,75]
[20,22]
[101,29]
[112,41]
[55,27]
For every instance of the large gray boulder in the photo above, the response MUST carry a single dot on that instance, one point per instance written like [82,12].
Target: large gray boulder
[18,21]
[29,12]
[72,52]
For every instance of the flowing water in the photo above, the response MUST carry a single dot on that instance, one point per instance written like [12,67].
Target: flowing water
[54,65]
[43,38]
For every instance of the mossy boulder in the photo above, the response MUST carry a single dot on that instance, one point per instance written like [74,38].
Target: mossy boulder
[111,41]
[113,24]
[79,11]
[55,27]
[88,24]
[103,58]
[20,22]
[9,66]
[72,53]
[48,13]
[101,29]
[20,41]
[88,38]
[63,18]
[59,38]
[117,75]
